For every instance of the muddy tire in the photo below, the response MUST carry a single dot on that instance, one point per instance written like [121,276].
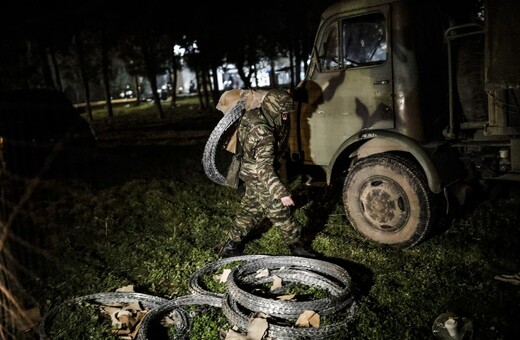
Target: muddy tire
[387,199]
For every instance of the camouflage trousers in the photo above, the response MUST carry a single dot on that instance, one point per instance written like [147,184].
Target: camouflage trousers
[258,204]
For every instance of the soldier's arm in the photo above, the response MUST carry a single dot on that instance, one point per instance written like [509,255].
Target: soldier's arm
[264,159]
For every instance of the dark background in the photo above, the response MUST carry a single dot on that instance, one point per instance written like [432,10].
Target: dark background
[52,43]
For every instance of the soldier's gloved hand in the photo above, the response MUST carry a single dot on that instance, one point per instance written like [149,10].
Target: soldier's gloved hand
[287,200]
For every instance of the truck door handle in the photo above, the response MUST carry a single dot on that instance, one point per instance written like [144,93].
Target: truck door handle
[382,82]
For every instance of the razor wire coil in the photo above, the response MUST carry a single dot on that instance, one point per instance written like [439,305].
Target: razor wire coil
[114,298]
[238,304]
[240,318]
[210,149]
[340,293]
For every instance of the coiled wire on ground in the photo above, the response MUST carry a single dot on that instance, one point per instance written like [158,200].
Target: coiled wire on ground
[196,285]
[114,298]
[237,304]
[240,318]
[153,316]
[310,271]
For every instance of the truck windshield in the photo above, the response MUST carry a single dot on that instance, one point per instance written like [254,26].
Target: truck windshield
[360,42]
[364,40]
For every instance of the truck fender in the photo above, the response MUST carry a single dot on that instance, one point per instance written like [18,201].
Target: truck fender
[377,141]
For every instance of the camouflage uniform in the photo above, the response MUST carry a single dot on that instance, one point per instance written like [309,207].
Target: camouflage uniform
[262,132]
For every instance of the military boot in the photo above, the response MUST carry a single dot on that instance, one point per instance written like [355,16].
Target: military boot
[230,249]
[297,249]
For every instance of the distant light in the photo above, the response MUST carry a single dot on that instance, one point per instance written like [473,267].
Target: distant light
[177,50]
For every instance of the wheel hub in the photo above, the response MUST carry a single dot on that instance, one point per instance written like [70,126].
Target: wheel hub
[384,204]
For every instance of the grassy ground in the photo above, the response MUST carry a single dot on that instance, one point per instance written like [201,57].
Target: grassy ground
[146,215]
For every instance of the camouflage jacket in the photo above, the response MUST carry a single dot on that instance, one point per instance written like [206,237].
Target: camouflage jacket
[259,153]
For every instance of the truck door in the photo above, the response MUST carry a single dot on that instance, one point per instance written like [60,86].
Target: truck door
[349,84]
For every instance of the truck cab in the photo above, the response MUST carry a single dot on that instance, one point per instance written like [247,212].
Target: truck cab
[396,110]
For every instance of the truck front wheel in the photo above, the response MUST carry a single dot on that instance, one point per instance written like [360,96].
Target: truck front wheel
[387,199]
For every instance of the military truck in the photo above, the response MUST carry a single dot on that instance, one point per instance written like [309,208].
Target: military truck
[404,108]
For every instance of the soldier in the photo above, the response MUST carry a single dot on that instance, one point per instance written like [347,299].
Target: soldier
[262,132]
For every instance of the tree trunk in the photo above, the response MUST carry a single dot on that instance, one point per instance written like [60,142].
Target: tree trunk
[199,88]
[245,79]
[173,78]
[291,67]
[204,77]
[84,77]
[156,99]
[88,105]
[215,92]
[137,90]
[152,78]
[272,75]
[106,78]
[151,74]
[56,70]
[46,68]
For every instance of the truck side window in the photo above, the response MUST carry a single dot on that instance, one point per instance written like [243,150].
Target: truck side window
[364,40]
[330,53]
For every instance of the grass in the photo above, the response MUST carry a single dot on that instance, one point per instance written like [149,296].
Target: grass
[146,215]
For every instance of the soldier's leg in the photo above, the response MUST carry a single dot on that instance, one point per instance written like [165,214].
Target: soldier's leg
[248,217]
[290,229]
[282,219]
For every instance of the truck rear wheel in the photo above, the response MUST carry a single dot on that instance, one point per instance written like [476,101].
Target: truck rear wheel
[387,199]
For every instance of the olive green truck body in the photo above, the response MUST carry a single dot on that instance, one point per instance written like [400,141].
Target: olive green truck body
[403,106]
